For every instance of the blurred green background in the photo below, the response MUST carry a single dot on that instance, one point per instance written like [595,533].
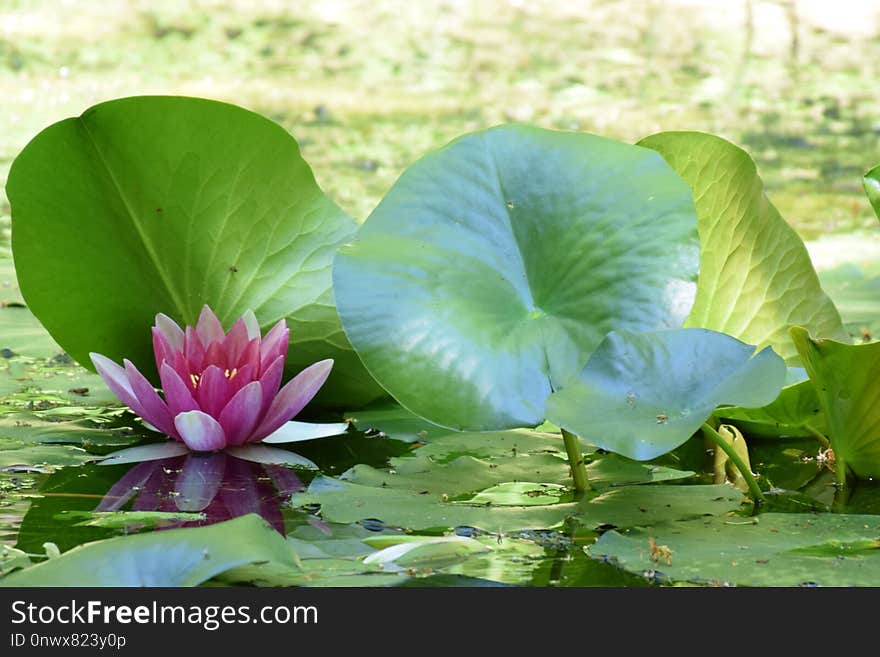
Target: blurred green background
[368,87]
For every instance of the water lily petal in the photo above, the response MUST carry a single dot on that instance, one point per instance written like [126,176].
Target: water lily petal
[115,378]
[257,453]
[215,355]
[194,350]
[213,391]
[170,329]
[209,327]
[235,343]
[178,394]
[240,378]
[293,397]
[165,353]
[274,344]
[155,410]
[271,380]
[200,431]
[253,326]
[240,415]
[251,355]
[141,453]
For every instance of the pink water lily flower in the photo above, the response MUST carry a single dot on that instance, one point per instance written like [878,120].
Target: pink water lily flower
[220,389]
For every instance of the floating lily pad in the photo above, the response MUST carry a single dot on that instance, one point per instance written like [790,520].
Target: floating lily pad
[756,277]
[772,549]
[494,266]
[164,204]
[644,394]
[177,557]
[395,422]
[846,380]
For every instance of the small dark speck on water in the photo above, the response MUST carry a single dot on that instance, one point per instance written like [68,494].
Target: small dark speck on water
[7,353]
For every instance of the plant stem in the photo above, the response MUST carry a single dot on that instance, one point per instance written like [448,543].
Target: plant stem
[737,461]
[840,471]
[818,435]
[576,461]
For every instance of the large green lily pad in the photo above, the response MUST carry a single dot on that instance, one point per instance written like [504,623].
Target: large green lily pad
[496,264]
[162,204]
[644,394]
[846,380]
[772,549]
[756,277]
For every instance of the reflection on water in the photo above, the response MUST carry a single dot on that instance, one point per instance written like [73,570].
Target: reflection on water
[218,486]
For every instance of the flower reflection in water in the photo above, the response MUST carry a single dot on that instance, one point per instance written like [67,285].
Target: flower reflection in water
[217,485]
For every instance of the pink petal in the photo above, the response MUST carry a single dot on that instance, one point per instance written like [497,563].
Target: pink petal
[200,431]
[156,412]
[172,332]
[242,377]
[115,378]
[194,350]
[215,355]
[293,397]
[213,391]
[177,393]
[209,327]
[274,344]
[271,380]
[165,353]
[253,326]
[241,414]
[251,355]
[235,343]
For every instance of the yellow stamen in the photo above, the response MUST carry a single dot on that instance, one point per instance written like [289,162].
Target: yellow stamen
[195,380]
[231,374]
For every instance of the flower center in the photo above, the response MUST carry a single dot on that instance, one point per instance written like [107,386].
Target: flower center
[230,374]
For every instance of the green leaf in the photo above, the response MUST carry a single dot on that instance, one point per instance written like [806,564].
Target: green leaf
[644,394]
[796,408]
[772,549]
[845,378]
[871,182]
[395,422]
[756,277]
[496,264]
[176,557]
[163,204]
